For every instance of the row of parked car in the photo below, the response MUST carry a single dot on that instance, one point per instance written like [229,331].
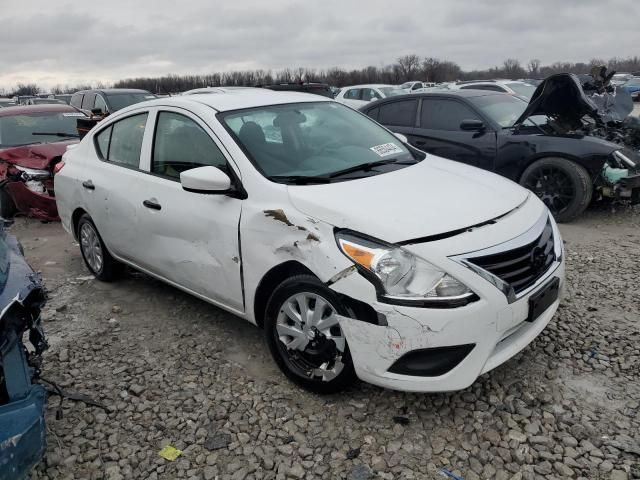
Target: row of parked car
[348,236]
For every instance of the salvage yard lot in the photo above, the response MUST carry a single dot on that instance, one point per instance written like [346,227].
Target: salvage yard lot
[174,370]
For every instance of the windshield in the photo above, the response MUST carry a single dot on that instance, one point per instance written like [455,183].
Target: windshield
[312,140]
[25,129]
[391,91]
[121,100]
[633,82]
[504,109]
[406,85]
[522,89]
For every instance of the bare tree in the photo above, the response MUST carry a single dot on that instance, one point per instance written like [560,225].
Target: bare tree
[408,66]
[534,67]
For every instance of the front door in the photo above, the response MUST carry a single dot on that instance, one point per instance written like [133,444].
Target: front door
[189,238]
[439,133]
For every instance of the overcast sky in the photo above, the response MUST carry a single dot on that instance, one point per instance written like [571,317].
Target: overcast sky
[66,43]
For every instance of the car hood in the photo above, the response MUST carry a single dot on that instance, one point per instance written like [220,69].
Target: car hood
[433,197]
[563,96]
[37,156]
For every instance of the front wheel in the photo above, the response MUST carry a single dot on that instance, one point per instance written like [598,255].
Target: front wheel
[564,186]
[304,335]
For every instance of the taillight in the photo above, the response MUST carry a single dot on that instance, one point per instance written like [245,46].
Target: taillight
[58,166]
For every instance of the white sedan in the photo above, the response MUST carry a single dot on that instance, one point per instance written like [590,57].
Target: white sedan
[359,95]
[356,255]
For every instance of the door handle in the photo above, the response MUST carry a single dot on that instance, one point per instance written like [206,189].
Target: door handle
[152,205]
[88,184]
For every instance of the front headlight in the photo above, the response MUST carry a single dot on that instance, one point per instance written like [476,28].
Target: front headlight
[402,278]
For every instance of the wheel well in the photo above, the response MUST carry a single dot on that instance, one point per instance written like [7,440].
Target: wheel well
[75,218]
[562,156]
[270,281]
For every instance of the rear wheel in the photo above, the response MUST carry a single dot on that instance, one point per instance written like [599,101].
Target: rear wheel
[7,206]
[94,253]
[564,186]
[304,335]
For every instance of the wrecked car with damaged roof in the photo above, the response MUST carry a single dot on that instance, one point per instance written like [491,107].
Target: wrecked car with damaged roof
[359,255]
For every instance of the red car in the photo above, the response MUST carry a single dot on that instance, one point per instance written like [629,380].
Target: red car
[32,141]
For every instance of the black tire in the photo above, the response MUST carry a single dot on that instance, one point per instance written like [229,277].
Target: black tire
[290,366]
[564,186]
[7,205]
[109,269]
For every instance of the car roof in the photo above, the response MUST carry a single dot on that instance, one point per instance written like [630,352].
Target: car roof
[370,85]
[236,99]
[42,108]
[114,91]
[212,90]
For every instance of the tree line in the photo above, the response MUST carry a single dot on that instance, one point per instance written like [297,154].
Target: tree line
[405,68]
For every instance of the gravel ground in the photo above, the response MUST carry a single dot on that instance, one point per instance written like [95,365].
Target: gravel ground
[173,370]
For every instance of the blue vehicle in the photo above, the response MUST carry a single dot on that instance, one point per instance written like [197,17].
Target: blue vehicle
[22,424]
[633,87]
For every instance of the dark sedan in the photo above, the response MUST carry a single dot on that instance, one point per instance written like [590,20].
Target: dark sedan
[485,129]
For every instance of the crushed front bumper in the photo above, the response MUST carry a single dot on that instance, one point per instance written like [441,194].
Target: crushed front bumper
[496,329]
[471,339]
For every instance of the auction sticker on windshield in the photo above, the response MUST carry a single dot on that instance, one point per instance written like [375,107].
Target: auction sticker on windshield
[386,149]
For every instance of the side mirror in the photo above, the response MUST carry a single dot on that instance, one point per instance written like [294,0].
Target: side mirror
[205,180]
[401,137]
[97,111]
[472,125]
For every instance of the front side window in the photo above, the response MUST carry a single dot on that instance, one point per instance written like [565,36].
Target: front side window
[125,142]
[40,127]
[181,144]
[315,140]
[353,94]
[444,114]
[100,103]
[368,94]
[402,114]
[505,110]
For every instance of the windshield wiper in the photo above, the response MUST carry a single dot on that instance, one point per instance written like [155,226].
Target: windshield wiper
[368,166]
[57,134]
[300,179]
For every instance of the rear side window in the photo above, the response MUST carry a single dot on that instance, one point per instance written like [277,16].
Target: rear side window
[87,101]
[352,94]
[76,100]
[402,114]
[121,143]
[444,114]
[181,144]
[102,143]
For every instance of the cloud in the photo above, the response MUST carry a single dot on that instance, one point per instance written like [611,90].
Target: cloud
[106,41]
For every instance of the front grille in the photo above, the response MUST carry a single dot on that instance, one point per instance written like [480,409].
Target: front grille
[522,266]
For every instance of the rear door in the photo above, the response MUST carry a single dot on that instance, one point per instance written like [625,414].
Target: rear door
[439,133]
[352,98]
[189,238]
[111,188]
[399,116]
